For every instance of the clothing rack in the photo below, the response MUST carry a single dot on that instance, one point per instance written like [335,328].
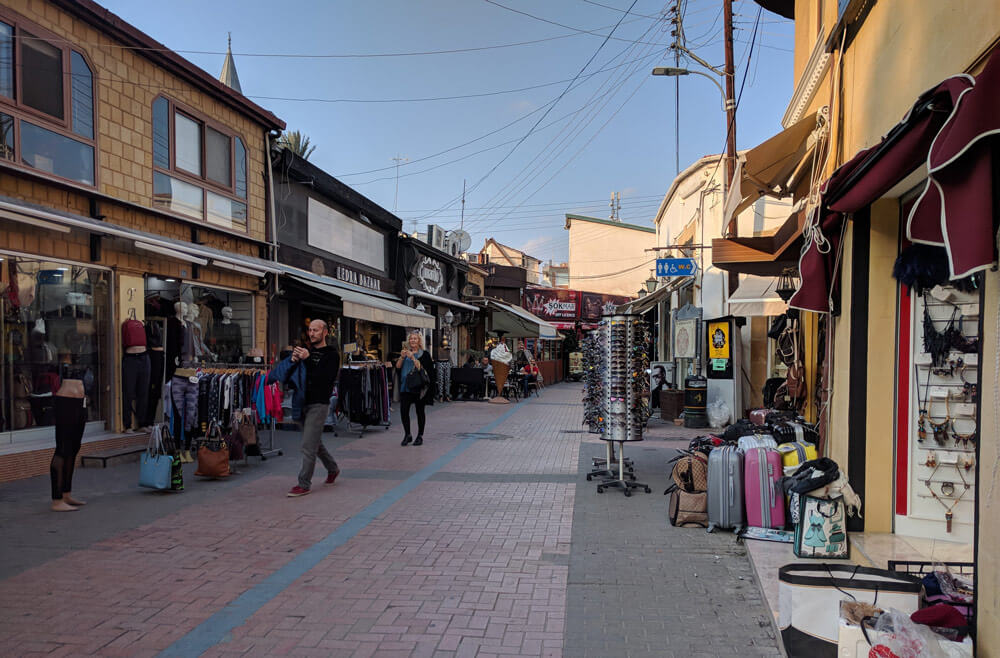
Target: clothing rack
[249,367]
[366,364]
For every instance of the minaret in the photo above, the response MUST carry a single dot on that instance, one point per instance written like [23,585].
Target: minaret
[228,76]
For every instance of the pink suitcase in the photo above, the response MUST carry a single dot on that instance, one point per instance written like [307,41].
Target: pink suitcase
[764,499]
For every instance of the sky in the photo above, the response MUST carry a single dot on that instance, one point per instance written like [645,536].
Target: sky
[553,126]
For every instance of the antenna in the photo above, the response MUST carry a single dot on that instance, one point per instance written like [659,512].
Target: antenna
[616,206]
[399,159]
[462,225]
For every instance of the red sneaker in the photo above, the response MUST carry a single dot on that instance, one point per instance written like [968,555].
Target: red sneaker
[297,491]
[331,477]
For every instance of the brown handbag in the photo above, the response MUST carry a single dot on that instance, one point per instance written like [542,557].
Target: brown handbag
[688,510]
[213,454]
[248,430]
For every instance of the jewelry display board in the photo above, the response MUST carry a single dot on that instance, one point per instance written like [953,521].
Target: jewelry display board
[943,412]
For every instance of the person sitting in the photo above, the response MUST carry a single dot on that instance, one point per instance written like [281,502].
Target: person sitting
[529,375]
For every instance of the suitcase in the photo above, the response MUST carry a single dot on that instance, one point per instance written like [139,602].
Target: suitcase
[788,431]
[795,453]
[725,489]
[759,416]
[747,443]
[765,500]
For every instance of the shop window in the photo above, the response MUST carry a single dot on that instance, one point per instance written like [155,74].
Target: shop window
[221,320]
[47,90]
[192,158]
[56,319]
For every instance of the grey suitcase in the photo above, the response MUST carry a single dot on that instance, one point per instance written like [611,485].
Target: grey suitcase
[726,508]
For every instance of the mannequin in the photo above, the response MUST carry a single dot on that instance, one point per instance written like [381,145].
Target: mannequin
[228,337]
[135,374]
[71,417]
[176,338]
[157,355]
[200,350]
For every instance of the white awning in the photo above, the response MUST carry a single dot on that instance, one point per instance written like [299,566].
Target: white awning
[441,300]
[756,296]
[514,321]
[361,306]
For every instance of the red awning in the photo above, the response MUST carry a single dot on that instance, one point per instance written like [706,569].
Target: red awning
[874,171]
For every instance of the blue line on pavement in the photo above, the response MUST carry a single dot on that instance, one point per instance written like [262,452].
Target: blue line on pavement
[216,629]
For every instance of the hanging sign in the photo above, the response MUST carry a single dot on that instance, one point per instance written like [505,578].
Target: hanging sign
[676,267]
[430,274]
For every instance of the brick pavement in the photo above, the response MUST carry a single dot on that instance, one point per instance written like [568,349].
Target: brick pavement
[503,550]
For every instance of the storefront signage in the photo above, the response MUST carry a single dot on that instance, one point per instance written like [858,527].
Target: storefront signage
[675,266]
[597,304]
[358,278]
[718,340]
[552,303]
[430,275]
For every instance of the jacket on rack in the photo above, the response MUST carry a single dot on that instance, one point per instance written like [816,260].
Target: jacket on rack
[293,374]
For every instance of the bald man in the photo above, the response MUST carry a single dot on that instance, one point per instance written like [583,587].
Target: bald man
[322,365]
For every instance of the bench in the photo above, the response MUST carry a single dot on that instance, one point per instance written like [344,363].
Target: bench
[105,455]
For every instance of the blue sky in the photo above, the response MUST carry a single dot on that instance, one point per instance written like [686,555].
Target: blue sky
[612,131]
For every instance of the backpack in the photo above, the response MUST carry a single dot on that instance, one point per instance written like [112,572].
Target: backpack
[133,333]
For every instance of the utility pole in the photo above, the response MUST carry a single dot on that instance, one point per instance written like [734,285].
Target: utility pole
[399,159]
[727,12]
[462,226]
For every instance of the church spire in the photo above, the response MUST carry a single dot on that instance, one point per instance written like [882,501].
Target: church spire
[228,76]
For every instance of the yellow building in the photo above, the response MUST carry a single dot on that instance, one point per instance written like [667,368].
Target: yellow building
[132,179]
[877,83]
[609,257]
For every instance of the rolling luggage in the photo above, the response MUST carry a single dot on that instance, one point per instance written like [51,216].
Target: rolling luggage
[764,498]
[747,443]
[725,489]
[795,453]
[790,430]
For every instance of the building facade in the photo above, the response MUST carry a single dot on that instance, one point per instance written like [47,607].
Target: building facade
[592,266]
[501,254]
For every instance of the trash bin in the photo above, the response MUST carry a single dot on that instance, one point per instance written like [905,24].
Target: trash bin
[695,401]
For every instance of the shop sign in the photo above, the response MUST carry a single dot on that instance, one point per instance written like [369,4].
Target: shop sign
[718,340]
[348,275]
[430,275]
[552,303]
[596,304]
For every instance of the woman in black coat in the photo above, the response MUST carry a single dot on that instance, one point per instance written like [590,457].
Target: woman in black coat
[414,358]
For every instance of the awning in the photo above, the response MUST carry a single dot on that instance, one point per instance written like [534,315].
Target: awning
[776,166]
[362,306]
[872,172]
[43,217]
[645,304]
[515,321]
[756,296]
[442,300]
[766,255]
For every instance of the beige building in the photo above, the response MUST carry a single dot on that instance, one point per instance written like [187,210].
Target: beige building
[613,258]
[501,254]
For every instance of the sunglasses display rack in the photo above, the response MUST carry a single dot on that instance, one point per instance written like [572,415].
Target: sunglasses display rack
[622,342]
[592,391]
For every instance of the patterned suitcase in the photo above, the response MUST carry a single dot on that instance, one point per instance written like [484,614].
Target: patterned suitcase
[795,453]
[787,431]
[764,498]
[725,489]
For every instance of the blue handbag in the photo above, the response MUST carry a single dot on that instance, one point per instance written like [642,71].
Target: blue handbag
[155,463]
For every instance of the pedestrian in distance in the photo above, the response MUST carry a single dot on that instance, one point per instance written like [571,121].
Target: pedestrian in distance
[312,372]
[414,359]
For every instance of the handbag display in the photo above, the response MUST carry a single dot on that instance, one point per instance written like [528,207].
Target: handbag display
[155,464]
[822,528]
[809,598]
[213,454]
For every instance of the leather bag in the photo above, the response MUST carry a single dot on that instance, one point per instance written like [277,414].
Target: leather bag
[248,430]
[688,510]
[690,472]
[133,333]
[213,454]
[155,464]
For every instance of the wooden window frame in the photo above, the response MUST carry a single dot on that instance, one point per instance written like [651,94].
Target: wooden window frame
[203,182]
[21,112]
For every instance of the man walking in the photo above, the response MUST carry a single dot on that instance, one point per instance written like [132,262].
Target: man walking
[312,372]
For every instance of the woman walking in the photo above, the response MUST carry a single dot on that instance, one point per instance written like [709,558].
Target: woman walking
[413,359]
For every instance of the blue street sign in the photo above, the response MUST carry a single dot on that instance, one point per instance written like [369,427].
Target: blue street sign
[676,266]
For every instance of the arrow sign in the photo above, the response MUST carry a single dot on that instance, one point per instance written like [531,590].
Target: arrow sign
[676,267]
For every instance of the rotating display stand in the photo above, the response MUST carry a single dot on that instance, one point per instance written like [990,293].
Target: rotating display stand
[622,342]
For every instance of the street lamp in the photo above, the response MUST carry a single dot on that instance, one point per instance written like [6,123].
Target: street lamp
[642,293]
[652,282]
[420,307]
[673,72]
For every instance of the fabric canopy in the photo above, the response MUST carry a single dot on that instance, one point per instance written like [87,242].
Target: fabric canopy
[514,321]
[648,303]
[769,167]
[756,296]
[361,306]
[865,178]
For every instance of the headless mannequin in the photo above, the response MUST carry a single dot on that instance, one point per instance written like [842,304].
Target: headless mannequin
[69,432]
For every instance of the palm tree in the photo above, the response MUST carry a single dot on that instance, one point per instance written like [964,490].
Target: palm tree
[297,143]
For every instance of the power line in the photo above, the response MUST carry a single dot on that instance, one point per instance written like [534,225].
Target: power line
[598,4]
[569,27]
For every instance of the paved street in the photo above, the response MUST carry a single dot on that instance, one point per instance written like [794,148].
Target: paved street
[485,541]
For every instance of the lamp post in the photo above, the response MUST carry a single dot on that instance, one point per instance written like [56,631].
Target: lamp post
[652,283]
[642,293]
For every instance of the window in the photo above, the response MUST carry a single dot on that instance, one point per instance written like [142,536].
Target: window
[46,104]
[199,170]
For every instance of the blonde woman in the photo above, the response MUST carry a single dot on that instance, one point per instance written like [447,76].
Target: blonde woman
[414,358]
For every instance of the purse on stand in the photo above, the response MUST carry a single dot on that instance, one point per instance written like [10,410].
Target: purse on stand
[213,454]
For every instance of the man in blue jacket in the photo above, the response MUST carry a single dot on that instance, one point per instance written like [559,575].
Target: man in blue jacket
[311,372]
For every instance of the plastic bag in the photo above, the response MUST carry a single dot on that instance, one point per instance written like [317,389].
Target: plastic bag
[718,414]
[901,636]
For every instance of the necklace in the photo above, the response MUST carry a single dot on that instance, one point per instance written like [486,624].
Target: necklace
[922,417]
[965,439]
[948,509]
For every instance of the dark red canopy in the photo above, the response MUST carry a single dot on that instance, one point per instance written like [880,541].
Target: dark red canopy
[940,125]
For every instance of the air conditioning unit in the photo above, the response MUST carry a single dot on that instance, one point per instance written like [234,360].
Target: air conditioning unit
[435,236]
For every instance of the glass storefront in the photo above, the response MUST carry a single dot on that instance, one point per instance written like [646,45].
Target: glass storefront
[221,319]
[55,322]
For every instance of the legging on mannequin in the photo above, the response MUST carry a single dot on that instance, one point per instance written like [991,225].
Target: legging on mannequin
[71,416]
[405,400]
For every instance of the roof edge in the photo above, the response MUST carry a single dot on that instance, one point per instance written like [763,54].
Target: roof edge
[595,220]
